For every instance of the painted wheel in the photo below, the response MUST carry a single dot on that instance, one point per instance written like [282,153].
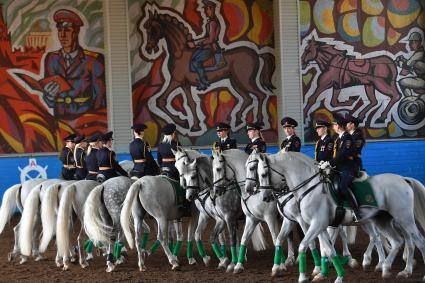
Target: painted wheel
[411,110]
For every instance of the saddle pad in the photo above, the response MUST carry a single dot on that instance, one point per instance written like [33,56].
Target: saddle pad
[362,192]
[180,192]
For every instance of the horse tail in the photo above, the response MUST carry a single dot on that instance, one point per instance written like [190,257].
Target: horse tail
[351,232]
[49,206]
[95,229]
[9,205]
[125,216]
[64,220]
[267,71]
[29,215]
[258,241]
[419,200]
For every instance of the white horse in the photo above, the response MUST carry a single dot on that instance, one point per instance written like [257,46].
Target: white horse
[229,171]
[196,176]
[31,222]
[14,198]
[399,197]
[73,199]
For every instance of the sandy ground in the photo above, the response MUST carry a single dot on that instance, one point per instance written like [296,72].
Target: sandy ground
[257,269]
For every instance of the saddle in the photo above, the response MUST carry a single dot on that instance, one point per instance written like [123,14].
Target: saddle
[179,191]
[356,67]
[215,62]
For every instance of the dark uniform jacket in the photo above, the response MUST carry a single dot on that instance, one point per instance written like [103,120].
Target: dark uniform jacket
[67,158]
[343,155]
[258,144]
[106,158]
[167,166]
[291,144]
[324,149]
[358,142]
[227,144]
[91,164]
[144,163]
[81,171]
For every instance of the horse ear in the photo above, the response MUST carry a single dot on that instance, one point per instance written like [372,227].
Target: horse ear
[175,151]
[262,157]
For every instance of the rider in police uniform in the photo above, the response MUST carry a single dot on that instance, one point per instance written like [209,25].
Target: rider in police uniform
[79,155]
[144,163]
[325,145]
[166,158]
[358,139]
[225,142]
[292,141]
[256,140]
[67,158]
[106,160]
[91,159]
[343,160]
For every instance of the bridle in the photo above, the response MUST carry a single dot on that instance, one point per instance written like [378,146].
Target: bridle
[224,183]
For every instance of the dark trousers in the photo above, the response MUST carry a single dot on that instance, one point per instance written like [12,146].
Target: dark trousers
[80,173]
[91,176]
[108,174]
[68,174]
[346,177]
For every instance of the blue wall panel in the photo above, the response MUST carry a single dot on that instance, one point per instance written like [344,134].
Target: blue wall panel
[400,157]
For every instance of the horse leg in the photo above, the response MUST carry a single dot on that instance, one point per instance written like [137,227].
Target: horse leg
[335,101]
[218,228]
[285,229]
[250,224]
[11,256]
[202,224]
[190,236]
[231,222]
[162,104]
[246,101]
[370,92]
[328,251]
[323,83]
[162,237]
[352,262]
[80,240]
[138,215]
[192,105]
[110,259]
[391,91]
[179,233]
[375,240]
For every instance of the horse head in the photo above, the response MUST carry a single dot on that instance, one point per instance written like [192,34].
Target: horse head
[220,178]
[154,32]
[251,180]
[309,54]
[264,177]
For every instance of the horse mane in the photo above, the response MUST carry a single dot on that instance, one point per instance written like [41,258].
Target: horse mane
[174,21]
[329,49]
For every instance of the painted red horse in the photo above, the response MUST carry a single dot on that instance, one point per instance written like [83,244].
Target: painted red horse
[243,65]
[339,71]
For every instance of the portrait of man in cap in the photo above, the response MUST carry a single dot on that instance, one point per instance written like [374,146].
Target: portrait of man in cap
[78,75]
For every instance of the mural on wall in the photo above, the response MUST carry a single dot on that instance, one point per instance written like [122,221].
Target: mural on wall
[365,58]
[52,74]
[198,62]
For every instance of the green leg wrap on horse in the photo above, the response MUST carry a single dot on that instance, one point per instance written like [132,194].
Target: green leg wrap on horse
[177,248]
[234,255]
[144,240]
[201,249]
[117,249]
[189,251]
[338,266]
[88,246]
[316,257]
[282,257]
[242,251]
[343,259]
[223,250]
[302,262]
[277,254]
[154,246]
[325,266]
[170,245]
[216,250]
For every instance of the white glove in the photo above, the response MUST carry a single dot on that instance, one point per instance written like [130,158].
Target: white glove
[324,165]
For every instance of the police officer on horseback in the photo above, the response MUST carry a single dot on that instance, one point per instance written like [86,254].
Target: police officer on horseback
[358,139]
[144,163]
[106,160]
[91,158]
[79,156]
[225,142]
[256,140]
[292,141]
[324,145]
[67,158]
[166,158]
[343,161]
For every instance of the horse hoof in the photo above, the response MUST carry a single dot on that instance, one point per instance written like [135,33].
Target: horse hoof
[404,274]
[339,279]
[386,274]
[65,268]
[238,268]
[378,267]
[290,261]
[23,260]
[73,259]
[11,256]
[191,261]
[89,256]
[142,268]
[223,263]
[353,263]
[175,267]
[110,267]
[230,268]
[303,278]
[38,258]
[366,262]
[276,271]
[84,264]
[319,277]
[206,260]
[282,267]
[316,270]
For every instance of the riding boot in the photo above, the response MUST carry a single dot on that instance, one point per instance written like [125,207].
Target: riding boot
[353,205]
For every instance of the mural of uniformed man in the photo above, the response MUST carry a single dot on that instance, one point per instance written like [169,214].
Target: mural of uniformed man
[82,70]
